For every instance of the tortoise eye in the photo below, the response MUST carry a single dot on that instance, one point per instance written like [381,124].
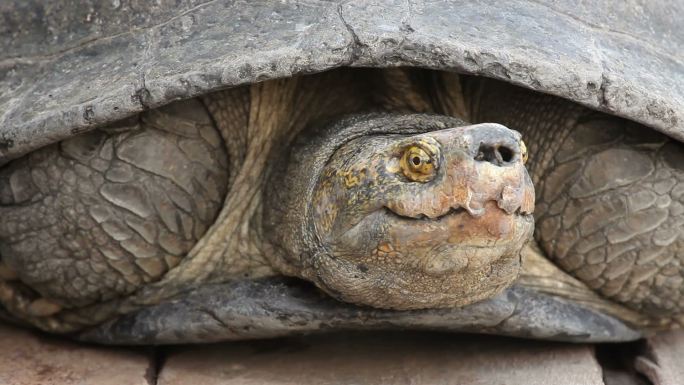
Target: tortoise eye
[418,164]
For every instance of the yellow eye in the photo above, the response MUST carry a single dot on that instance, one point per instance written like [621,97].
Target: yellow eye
[417,164]
[523,151]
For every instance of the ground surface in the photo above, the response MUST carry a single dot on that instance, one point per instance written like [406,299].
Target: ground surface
[358,358]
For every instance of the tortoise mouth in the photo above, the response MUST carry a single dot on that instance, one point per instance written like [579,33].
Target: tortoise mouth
[487,234]
[424,217]
[452,211]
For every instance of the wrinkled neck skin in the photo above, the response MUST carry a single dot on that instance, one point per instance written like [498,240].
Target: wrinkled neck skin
[348,216]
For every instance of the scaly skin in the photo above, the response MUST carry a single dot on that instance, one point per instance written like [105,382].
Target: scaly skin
[95,217]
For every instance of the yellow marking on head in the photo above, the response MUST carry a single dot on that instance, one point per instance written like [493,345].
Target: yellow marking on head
[352,178]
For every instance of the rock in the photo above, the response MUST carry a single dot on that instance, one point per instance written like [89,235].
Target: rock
[27,358]
[384,358]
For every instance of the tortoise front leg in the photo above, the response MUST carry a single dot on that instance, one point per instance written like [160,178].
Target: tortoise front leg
[95,218]
[612,213]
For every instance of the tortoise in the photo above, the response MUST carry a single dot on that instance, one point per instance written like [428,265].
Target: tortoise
[219,171]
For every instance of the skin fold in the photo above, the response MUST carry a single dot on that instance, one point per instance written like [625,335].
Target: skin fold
[379,186]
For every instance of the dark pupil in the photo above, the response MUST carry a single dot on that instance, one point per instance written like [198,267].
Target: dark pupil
[416,160]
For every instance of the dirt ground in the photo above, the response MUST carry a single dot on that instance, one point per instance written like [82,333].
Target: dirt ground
[344,358]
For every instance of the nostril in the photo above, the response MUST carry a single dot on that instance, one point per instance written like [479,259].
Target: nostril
[498,154]
[506,153]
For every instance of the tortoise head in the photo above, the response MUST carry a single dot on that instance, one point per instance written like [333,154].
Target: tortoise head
[410,211]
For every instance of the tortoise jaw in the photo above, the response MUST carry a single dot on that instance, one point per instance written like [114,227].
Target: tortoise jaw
[426,217]
[392,261]
[457,240]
